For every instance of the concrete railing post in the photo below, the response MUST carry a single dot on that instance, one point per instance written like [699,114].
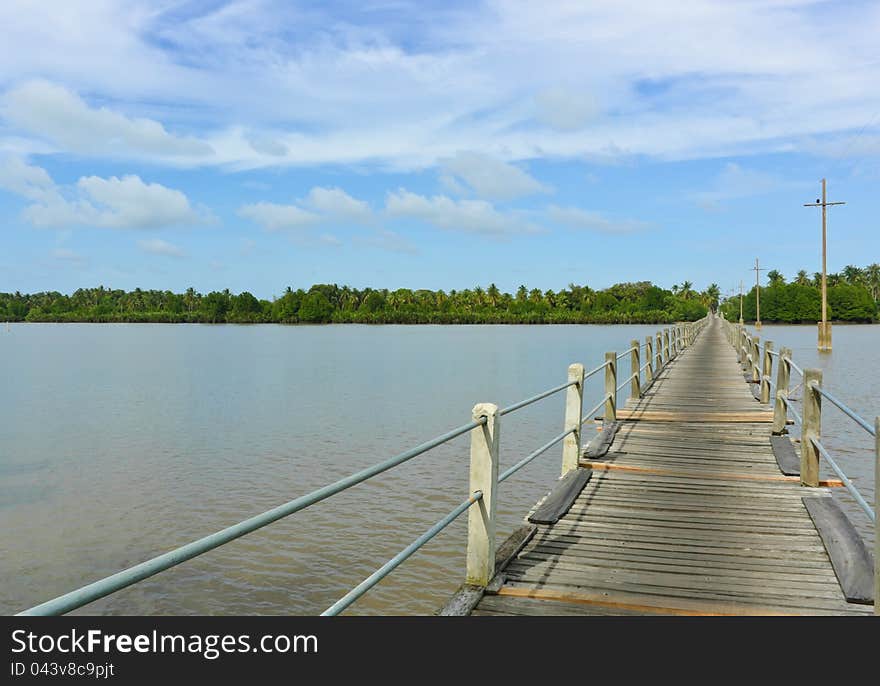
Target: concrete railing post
[611,387]
[783,380]
[812,428]
[574,406]
[635,386]
[659,352]
[483,477]
[746,350]
[649,359]
[756,359]
[766,372]
[666,345]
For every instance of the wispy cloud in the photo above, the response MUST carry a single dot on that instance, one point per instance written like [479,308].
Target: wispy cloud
[735,181]
[275,217]
[390,241]
[156,246]
[320,206]
[69,256]
[273,83]
[470,216]
[488,177]
[577,218]
[53,112]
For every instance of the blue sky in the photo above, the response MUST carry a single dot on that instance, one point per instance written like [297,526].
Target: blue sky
[257,145]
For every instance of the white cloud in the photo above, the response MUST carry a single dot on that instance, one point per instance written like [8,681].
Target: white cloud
[275,217]
[337,203]
[24,179]
[53,112]
[566,110]
[390,241]
[269,83]
[118,203]
[471,216]
[156,246]
[735,181]
[68,255]
[331,240]
[130,203]
[489,177]
[576,218]
[320,206]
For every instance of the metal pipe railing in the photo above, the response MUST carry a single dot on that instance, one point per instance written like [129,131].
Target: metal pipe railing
[399,559]
[531,456]
[853,491]
[535,398]
[595,408]
[127,577]
[794,413]
[626,381]
[843,408]
[626,352]
[794,366]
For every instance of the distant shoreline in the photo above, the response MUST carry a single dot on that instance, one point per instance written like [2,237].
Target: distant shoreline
[317,324]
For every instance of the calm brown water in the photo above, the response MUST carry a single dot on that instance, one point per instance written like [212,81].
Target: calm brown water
[119,442]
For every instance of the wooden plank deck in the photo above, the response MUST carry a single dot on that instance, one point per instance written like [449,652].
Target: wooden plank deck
[687,514]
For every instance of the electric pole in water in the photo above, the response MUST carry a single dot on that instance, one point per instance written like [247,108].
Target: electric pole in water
[758,271]
[824,325]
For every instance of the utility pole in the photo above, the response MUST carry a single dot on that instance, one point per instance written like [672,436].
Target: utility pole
[758,271]
[824,325]
[740,301]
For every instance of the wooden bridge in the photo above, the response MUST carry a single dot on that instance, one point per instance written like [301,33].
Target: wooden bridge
[687,513]
[691,500]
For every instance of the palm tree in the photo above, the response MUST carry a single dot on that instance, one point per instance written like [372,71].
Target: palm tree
[711,296]
[853,275]
[872,277]
[686,290]
[493,294]
[775,278]
[802,279]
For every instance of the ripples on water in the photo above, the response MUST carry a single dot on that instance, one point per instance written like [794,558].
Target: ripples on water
[119,442]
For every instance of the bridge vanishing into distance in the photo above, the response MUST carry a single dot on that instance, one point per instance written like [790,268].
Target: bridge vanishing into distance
[692,499]
[691,506]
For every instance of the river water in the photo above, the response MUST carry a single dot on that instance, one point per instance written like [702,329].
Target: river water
[119,442]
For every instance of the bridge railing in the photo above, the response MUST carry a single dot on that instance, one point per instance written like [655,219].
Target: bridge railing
[484,429]
[810,423]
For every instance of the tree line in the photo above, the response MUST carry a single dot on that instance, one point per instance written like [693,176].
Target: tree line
[623,303]
[853,296]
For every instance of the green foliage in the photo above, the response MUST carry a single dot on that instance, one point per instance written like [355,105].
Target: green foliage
[852,297]
[636,303]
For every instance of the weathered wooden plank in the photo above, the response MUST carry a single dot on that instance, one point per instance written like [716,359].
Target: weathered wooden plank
[852,561]
[802,605]
[786,457]
[644,603]
[463,601]
[561,497]
[600,444]
[829,483]
[673,416]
